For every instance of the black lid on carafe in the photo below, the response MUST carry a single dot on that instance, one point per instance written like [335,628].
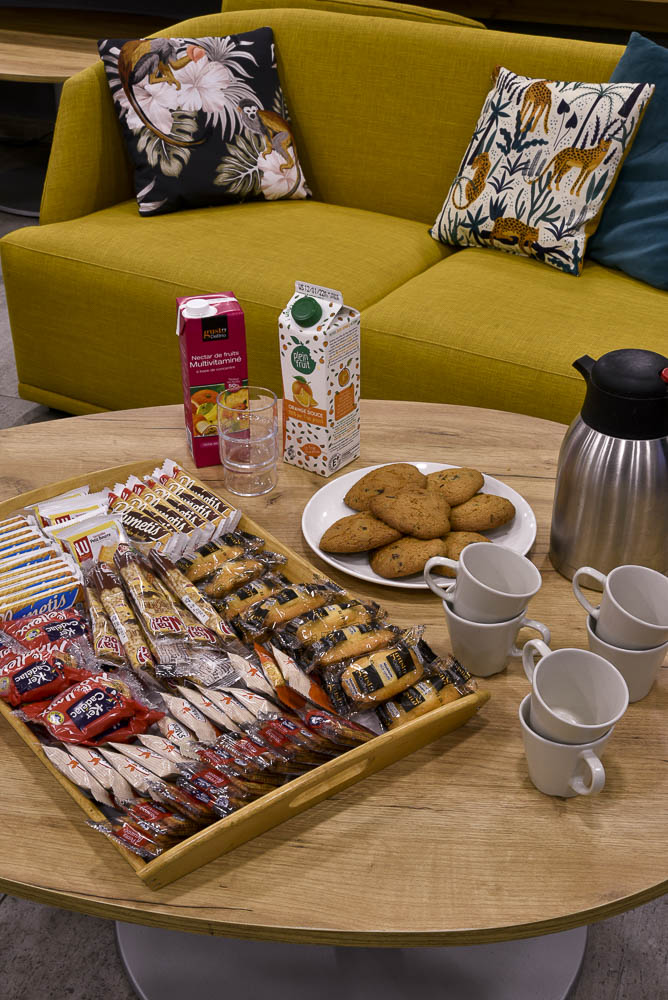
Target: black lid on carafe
[627,394]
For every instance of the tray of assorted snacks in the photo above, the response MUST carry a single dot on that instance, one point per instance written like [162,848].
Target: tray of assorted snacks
[187,678]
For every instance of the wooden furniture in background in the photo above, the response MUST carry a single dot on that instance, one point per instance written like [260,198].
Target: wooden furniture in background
[29,57]
[627,15]
[477,854]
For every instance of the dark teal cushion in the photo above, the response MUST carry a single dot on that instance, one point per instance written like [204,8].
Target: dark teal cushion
[633,233]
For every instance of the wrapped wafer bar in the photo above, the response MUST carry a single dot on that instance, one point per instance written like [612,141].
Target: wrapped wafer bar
[189,595]
[198,489]
[159,617]
[107,647]
[122,617]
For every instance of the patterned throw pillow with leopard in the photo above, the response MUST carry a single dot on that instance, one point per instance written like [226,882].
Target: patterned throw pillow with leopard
[540,166]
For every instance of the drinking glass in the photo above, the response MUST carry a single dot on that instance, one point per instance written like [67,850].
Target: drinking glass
[248,440]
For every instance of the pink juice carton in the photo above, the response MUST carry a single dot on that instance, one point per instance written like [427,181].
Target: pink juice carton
[212,337]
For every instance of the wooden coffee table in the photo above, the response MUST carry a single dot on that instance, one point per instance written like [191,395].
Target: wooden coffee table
[451,846]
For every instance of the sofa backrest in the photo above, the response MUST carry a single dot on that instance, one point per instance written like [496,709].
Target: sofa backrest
[365,8]
[383,109]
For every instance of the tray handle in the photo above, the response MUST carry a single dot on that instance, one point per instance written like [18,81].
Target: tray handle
[320,790]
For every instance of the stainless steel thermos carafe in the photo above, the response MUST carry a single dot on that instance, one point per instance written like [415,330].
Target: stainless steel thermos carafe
[611,498]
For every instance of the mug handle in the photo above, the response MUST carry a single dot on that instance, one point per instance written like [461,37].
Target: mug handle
[528,658]
[537,627]
[432,563]
[597,772]
[599,577]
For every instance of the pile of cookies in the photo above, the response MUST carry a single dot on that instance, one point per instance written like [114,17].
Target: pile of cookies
[404,518]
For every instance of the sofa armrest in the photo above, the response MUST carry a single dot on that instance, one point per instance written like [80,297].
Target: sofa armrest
[367,8]
[89,168]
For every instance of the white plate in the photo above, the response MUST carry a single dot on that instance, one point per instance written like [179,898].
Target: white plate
[327,506]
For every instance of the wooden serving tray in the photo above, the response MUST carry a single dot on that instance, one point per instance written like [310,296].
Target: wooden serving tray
[274,807]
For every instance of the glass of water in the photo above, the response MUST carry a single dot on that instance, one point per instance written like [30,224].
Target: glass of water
[248,439]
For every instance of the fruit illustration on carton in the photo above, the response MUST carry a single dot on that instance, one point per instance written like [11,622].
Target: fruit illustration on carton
[212,338]
[319,343]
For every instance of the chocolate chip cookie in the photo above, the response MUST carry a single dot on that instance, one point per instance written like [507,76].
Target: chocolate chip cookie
[405,557]
[357,533]
[483,512]
[389,478]
[420,513]
[456,485]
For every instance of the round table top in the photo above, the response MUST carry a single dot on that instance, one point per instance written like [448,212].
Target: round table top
[453,844]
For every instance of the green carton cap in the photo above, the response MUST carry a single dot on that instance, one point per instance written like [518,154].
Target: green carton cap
[306,311]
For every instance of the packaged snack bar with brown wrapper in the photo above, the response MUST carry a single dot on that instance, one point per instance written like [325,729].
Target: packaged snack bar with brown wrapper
[159,616]
[450,682]
[189,596]
[107,647]
[112,597]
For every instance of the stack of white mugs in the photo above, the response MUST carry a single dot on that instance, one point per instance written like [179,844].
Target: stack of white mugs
[577,696]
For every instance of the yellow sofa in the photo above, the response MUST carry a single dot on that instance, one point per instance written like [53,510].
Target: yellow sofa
[383,108]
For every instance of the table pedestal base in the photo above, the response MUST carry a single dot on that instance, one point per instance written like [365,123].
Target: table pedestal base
[169,965]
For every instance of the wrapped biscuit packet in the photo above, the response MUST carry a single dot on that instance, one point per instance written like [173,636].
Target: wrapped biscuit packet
[158,614]
[380,675]
[348,643]
[41,674]
[77,773]
[314,625]
[107,647]
[102,771]
[282,671]
[126,834]
[189,596]
[208,558]
[235,572]
[449,682]
[251,593]
[291,601]
[108,586]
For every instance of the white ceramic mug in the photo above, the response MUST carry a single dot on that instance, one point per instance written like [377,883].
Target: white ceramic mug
[633,613]
[485,649]
[493,583]
[638,667]
[576,695]
[561,768]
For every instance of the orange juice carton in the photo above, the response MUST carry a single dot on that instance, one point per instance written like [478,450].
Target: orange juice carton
[319,343]
[212,337]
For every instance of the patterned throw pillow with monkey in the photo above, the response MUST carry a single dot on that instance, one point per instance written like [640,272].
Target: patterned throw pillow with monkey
[204,120]
[540,165]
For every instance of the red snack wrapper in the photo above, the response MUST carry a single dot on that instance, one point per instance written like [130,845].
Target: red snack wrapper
[50,627]
[92,708]
[41,674]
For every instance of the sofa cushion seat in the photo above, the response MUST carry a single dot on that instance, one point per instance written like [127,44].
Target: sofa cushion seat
[504,329]
[115,279]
